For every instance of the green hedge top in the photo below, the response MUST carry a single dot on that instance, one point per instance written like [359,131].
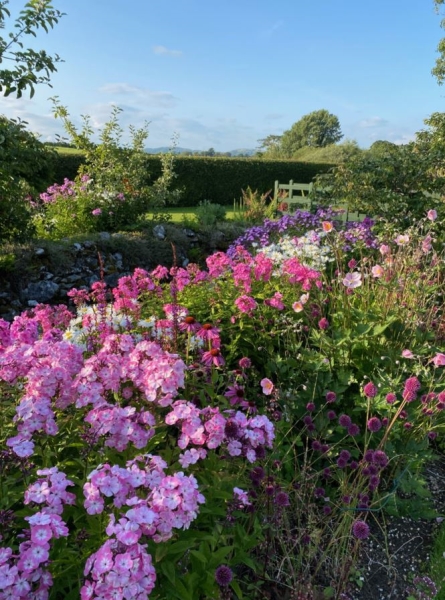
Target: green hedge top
[218,179]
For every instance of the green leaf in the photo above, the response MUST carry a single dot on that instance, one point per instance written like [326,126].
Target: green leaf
[236,588]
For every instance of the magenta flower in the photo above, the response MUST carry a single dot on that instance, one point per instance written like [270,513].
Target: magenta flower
[96,212]
[344,420]
[331,397]
[246,304]
[323,324]
[213,357]
[370,390]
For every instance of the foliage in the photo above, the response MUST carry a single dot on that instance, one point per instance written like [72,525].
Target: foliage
[218,179]
[28,67]
[324,328]
[393,182]
[209,214]
[255,207]
[332,153]
[25,163]
[111,189]
[317,129]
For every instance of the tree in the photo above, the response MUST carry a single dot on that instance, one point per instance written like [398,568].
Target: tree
[27,67]
[317,129]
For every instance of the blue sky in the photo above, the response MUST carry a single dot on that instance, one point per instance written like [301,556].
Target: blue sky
[225,74]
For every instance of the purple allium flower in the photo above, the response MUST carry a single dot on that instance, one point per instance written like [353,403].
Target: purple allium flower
[223,575]
[327,509]
[412,386]
[245,363]
[341,462]
[369,456]
[344,420]
[374,424]
[391,398]
[345,454]
[257,474]
[316,445]
[331,397]
[326,472]
[360,530]
[353,430]
[282,499]
[307,420]
[324,448]
[347,499]
[319,492]
[407,425]
[310,406]
[370,390]
[353,464]
[380,458]
[432,435]
[331,415]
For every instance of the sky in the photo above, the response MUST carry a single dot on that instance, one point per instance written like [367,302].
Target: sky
[225,74]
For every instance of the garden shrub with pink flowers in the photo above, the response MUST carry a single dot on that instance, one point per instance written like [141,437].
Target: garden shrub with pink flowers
[218,433]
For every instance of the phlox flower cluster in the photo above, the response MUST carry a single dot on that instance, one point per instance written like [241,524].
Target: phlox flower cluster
[24,575]
[241,435]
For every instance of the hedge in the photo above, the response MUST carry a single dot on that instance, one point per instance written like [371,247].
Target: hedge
[218,179]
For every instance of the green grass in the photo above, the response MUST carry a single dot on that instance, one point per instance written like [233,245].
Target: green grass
[179,213]
[437,563]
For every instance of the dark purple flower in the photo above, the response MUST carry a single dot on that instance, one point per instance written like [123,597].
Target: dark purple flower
[319,492]
[380,458]
[360,530]
[282,499]
[231,429]
[432,435]
[331,397]
[310,406]
[223,575]
[316,445]
[374,424]
[353,430]
[344,420]
[331,415]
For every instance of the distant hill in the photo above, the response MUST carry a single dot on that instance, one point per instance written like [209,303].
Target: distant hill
[179,150]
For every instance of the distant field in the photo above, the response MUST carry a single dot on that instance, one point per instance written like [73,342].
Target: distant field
[63,150]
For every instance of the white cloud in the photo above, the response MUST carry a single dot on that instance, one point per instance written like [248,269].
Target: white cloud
[166,51]
[373,122]
[140,95]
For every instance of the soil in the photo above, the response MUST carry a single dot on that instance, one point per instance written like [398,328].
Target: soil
[389,559]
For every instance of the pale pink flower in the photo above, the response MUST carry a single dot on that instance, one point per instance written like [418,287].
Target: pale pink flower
[297,307]
[96,212]
[431,214]
[439,360]
[267,386]
[407,354]
[352,280]
[327,226]
[384,249]
[402,239]
[377,271]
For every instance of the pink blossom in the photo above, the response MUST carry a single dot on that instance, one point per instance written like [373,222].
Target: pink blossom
[352,280]
[377,271]
[246,304]
[439,360]
[267,386]
[96,212]
[407,354]
[431,214]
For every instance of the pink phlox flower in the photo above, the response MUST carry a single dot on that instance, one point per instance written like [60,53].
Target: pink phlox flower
[242,277]
[263,267]
[246,304]
[218,264]
[275,301]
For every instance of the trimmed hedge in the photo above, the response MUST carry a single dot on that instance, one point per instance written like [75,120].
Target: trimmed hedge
[218,179]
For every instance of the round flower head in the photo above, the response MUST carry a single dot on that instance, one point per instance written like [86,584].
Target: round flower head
[223,575]
[370,390]
[374,424]
[344,420]
[331,397]
[282,499]
[360,530]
